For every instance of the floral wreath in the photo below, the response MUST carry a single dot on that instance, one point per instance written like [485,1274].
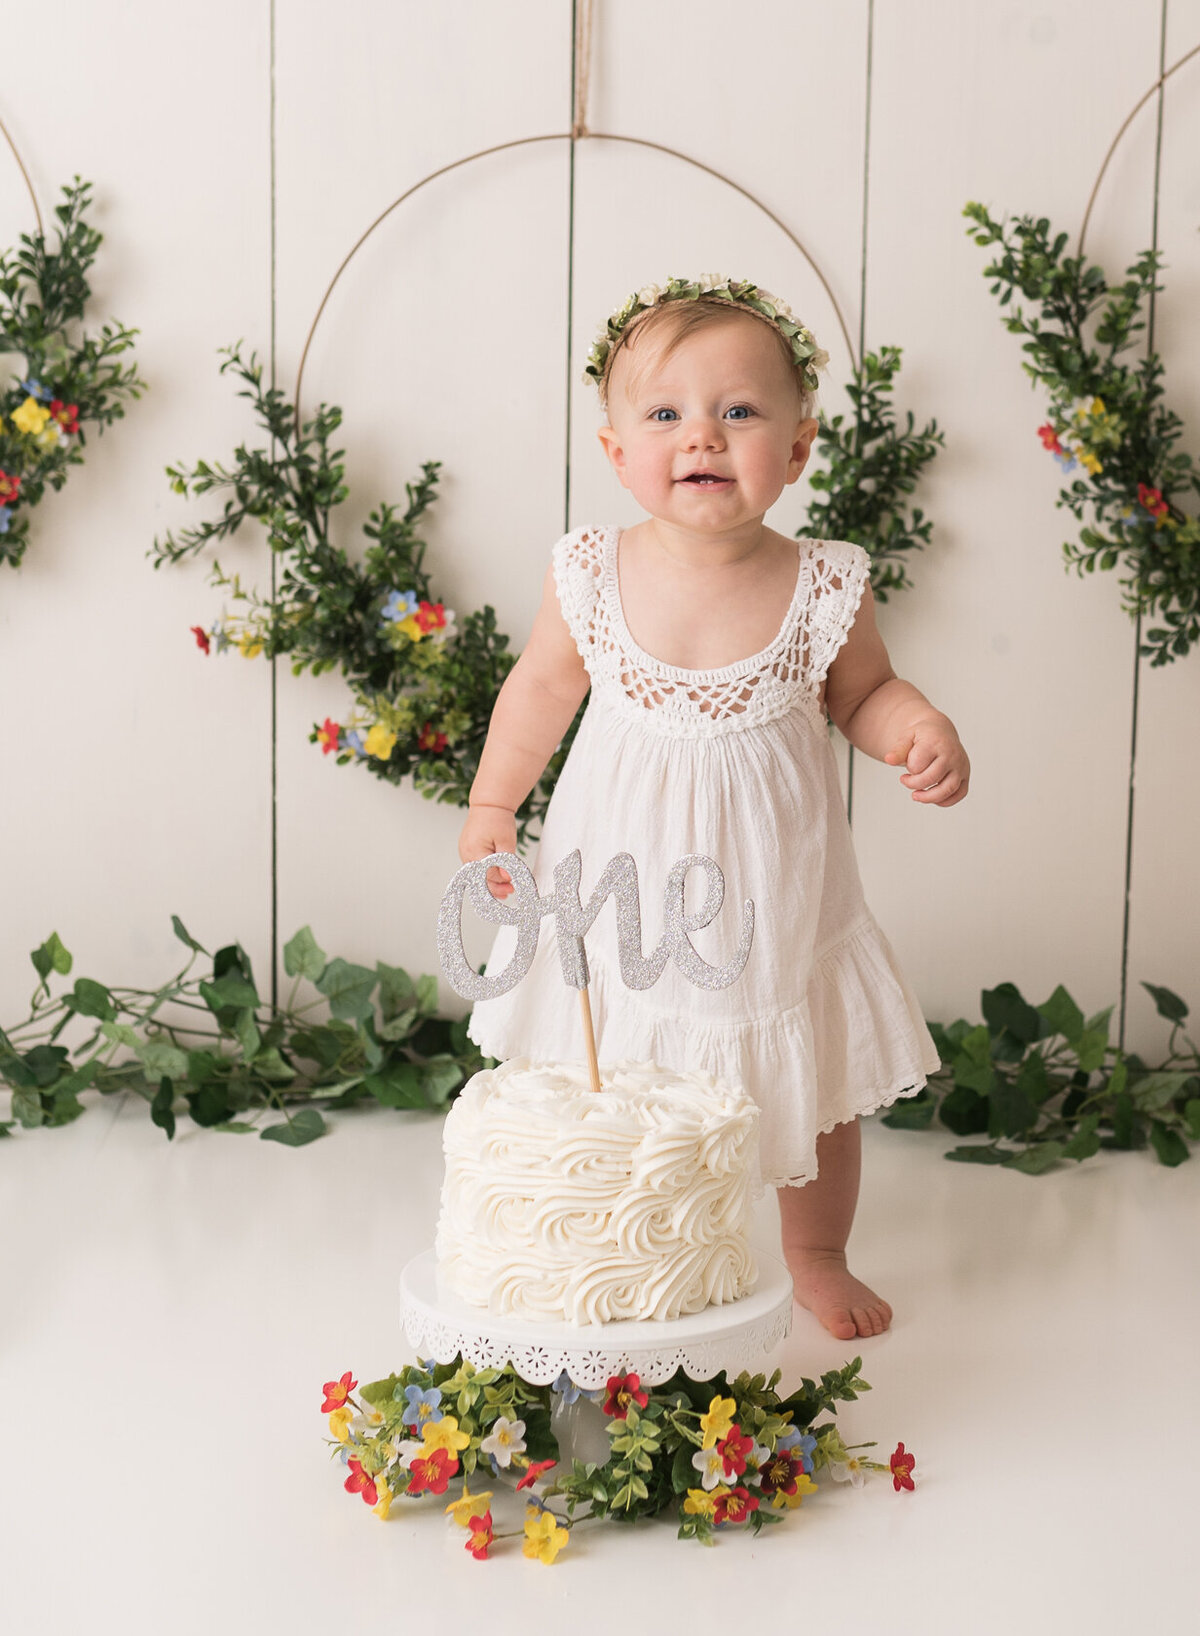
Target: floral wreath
[807,356]
[1107,422]
[69,378]
[720,1453]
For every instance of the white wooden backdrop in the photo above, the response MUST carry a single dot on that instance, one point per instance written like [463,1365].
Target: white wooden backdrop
[239,150]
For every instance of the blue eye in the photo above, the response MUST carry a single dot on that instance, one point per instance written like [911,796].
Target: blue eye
[741,410]
[658,412]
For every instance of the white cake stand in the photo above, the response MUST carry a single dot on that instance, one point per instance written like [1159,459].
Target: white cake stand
[726,1338]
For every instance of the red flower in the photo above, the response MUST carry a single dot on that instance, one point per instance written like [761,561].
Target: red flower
[479,1535]
[66,414]
[735,1506]
[1049,438]
[429,740]
[623,1392]
[336,1392]
[1152,500]
[733,1449]
[902,1463]
[430,616]
[201,635]
[327,736]
[536,1467]
[780,1472]
[432,1472]
[361,1482]
[8,488]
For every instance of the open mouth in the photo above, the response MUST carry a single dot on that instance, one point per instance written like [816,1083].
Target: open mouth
[707,480]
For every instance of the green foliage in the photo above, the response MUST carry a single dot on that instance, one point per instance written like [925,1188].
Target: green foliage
[43,294]
[381,1041]
[428,695]
[871,467]
[1108,419]
[1044,1084]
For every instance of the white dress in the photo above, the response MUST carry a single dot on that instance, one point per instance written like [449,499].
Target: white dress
[735,763]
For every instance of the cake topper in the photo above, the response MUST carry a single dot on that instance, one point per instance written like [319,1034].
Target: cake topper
[527,907]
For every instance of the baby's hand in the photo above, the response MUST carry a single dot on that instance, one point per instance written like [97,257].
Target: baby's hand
[488,830]
[938,770]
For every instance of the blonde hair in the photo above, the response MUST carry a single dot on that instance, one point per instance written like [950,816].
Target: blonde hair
[673,321]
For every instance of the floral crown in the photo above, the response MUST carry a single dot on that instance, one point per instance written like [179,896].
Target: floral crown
[807,356]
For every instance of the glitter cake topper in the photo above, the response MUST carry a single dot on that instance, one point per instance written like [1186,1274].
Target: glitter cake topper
[526,909]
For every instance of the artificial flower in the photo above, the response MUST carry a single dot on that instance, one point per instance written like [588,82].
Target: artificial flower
[716,1423]
[201,636]
[336,1392]
[30,417]
[406,1451]
[1152,500]
[902,1463]
[411,627]
[1049,438]
[422,1406]
[380,742]
[507,1438]
[220,637]
[852,1470]
[566,1388]
[797,1442]
[36,390]
[445,630]
[368,1422]
[250,644]
[733,1449]
[711,1465]
[361,1482]
[544,1537]
[735,1506]
[8,487]
[48,436]
[1090,463]
[339,1420]
[480,1536]
[5,518]
[780,1472]
[353,741]
[429,740]
[65,415]
[399,605]
[469,1506]
[385,1501]
[1065,459]
[444,1433]
[622,1392]
[431,1472]
[327,735]
[430,616]
[536,1468]
[804,1485]
[699,1503]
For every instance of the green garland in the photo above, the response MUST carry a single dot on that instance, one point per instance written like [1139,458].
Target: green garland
[1107,421]
[70,380]
[211,1047]
[716,1454]
[1045,1085]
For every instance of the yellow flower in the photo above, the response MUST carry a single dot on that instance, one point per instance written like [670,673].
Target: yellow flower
[544,1539]
[385,1500]
[804,1485]
[1090,463]
[30,417]
[380,741]
[703,1504]
[443,1434]
[471,1505]
[250,644]
[410,628]
[338,1420]
[48,438]
[1097,406]
[716,1423]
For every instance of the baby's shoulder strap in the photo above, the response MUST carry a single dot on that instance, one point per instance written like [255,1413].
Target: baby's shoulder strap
[839,573]
[578,561]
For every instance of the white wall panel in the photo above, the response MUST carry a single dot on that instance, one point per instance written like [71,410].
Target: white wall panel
[134,777]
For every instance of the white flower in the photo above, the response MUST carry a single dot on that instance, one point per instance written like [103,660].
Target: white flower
[710,1463]
[851,1471]
[712,281]
[507,1438]
[447,630]
[649,294]
[819,358]
[404,1453]
[758,1457]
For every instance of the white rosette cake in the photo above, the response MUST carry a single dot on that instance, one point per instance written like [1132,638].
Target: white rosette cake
[561,1204]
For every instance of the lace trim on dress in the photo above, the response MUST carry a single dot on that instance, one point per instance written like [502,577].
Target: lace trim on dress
[830,578]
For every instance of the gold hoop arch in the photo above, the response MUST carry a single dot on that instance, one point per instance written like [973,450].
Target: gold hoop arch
[1134,111]
[563,136]
[25,174]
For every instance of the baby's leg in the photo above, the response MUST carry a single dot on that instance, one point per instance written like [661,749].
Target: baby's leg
[816,1221]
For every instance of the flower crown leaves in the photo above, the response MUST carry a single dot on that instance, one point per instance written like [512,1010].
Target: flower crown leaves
[807,356]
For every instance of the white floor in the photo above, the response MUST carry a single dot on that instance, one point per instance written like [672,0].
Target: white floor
[170,1311]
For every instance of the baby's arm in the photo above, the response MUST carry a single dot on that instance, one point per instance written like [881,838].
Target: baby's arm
[887,718]
[533,710]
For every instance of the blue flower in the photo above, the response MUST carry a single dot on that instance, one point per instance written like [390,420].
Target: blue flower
[567,1389]
[5,516]
[352,739]
[1065,459]
[399,605]
[422,1406]
[220,637]
[800,1444]
[36,390]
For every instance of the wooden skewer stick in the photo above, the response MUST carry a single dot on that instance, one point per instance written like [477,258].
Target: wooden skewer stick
[589,1037]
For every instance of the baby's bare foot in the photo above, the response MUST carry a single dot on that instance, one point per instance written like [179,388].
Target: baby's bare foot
[840,1301]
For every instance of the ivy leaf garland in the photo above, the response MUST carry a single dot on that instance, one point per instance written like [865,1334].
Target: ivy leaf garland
[1107,421]
[871,467]
[71,379]
[424,683]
